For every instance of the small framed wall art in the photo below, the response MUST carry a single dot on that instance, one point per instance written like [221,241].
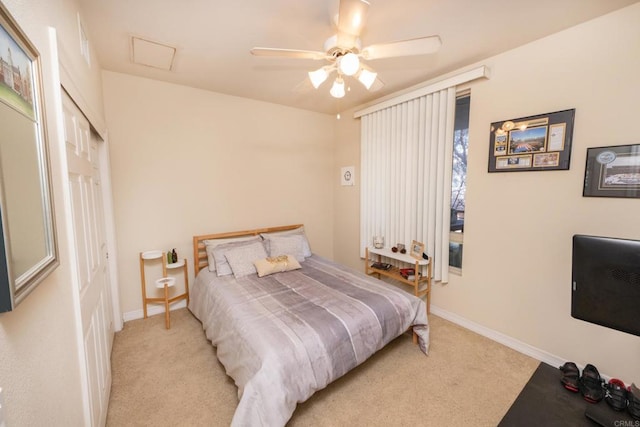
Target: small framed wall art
[534,143]
[612,172]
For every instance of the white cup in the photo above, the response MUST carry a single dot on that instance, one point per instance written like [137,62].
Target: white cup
[378,242]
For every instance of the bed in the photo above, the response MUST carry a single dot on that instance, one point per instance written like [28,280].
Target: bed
[282,335]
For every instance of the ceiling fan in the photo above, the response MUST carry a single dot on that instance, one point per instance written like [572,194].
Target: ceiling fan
[345,53]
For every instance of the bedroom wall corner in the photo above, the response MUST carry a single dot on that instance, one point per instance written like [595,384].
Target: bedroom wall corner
[187,161]
[517,245]
[516,273]
[346,239]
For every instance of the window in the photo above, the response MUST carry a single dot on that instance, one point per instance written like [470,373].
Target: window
[459,180]
[403,194]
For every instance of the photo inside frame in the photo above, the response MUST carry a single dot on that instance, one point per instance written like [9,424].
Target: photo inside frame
[613,172]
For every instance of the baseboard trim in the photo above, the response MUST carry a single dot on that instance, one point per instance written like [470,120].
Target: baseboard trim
[151,311]
[501,338]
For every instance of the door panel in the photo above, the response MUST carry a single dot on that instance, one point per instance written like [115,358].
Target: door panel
[93,285]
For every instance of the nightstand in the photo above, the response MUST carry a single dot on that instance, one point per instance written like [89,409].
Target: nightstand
[164,283]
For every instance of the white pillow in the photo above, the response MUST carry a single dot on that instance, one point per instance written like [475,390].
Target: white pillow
[241,258]
[287,245]
[297,231]
[209,245]
[219,254]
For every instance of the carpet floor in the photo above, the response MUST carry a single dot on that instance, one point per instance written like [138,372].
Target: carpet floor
[172,378]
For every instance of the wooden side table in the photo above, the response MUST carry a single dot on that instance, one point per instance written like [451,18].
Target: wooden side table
[394,272]
[163,283]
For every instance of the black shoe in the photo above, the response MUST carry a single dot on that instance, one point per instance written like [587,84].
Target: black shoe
[634,401]
[616,394]
[591,384]
[570,376]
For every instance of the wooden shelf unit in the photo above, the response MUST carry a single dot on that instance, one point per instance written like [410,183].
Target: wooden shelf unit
[180,264]
[394,272]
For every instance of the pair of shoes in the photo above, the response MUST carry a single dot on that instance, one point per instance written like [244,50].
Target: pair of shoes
[570,376]
[616,394]
[590,384]
[633,394]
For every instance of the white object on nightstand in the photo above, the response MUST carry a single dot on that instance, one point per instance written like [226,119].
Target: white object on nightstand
[165,282]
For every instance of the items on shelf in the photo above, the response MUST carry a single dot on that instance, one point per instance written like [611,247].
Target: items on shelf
[381,266]
[172,256]
[378,242]
[409,273]
[399,248]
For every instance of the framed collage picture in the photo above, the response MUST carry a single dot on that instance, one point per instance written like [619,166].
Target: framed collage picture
[533,143]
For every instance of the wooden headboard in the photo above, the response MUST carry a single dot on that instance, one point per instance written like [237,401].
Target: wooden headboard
[200,254]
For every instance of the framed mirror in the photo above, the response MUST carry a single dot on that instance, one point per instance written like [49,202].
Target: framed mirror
[28,252]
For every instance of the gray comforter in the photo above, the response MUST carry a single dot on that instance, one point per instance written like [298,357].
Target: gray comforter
[284,336]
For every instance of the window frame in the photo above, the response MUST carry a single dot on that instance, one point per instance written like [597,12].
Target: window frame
[457,237]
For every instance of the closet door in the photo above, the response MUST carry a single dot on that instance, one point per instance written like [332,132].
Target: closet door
[92,273]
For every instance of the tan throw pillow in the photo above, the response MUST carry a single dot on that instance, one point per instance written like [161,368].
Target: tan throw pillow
[270,265]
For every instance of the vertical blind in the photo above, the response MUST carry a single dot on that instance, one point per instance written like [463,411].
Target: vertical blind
[406,161]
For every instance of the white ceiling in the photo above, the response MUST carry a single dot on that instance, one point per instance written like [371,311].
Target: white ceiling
[213,39]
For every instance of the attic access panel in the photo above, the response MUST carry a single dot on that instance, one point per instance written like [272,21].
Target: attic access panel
[152,54]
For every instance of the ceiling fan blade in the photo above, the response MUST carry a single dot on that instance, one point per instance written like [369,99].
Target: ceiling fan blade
[288,53]
[303,88]
[419,46]
[352,16]
[377,85]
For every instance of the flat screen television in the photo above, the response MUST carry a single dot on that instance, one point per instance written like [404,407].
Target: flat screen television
[605,276]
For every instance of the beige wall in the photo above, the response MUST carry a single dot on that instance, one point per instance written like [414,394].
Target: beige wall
[517,251]
[39,360]
[347,198]
[187,161]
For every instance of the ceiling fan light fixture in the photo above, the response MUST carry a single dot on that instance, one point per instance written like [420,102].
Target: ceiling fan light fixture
[318,76]
[337,90]
[349,64]
[367,78]
[346,55]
